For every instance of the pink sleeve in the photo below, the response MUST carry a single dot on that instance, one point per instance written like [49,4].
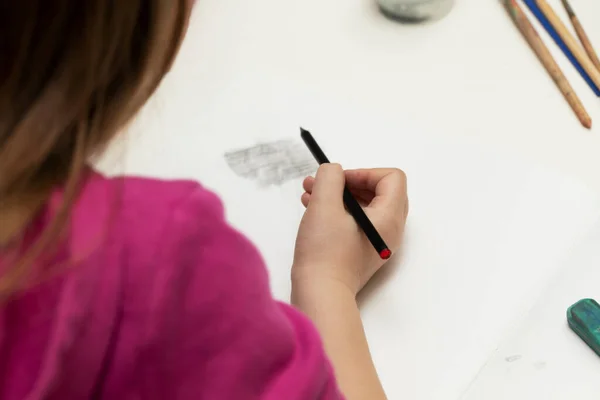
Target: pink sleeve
[216,331]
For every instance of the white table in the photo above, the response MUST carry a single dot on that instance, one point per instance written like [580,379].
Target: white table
[469,76]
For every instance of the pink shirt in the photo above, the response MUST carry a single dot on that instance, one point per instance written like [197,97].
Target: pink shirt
[167,302]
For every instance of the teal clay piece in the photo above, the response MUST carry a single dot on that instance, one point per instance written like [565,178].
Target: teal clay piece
[584,320]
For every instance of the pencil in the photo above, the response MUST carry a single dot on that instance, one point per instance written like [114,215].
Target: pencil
[351,203]
[544,55]
[570,41]
[583,37]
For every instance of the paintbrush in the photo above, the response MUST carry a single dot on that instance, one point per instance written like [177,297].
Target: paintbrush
[570,42]
[544,55]
[583,37]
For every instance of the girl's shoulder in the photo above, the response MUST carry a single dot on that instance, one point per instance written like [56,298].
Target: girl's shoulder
[132,197]
[163,235]
[128,211]
[154,230]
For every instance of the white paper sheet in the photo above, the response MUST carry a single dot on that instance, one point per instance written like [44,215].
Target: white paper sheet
[486,232]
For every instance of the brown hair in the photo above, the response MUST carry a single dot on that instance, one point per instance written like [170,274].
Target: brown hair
[72,74]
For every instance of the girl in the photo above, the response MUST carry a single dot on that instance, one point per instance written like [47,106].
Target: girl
[138,289]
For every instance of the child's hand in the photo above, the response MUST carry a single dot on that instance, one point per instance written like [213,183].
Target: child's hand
[330,246]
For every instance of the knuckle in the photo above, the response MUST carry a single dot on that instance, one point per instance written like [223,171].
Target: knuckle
[398,172]
[399,175]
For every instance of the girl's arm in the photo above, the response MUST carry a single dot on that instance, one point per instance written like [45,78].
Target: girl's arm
[333,309]
[334,260]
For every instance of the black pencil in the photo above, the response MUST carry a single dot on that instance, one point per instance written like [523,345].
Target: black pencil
[351,203]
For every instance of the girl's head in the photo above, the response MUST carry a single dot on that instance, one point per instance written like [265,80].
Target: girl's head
[72,74]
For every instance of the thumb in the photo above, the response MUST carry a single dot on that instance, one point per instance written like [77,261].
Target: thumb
[329,185]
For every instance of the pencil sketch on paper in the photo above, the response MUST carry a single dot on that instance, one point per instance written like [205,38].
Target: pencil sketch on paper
[272,163]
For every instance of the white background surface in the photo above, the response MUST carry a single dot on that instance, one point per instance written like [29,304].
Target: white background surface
[490,222]
[470,74]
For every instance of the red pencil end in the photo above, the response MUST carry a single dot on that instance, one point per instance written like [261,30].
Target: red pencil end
[385,254]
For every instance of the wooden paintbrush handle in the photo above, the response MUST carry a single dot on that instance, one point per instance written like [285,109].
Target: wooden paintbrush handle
[570,41]
[548,61]
[583,37]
